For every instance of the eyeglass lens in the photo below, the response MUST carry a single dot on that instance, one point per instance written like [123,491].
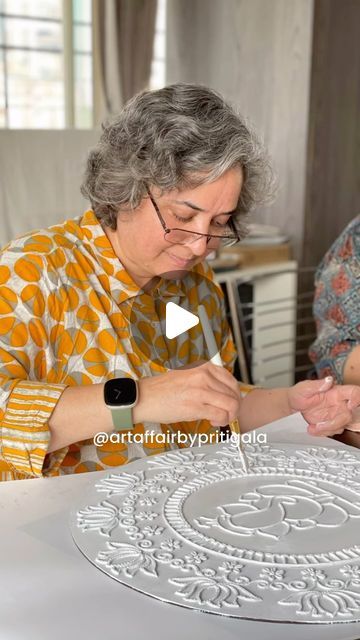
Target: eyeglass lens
[177,236]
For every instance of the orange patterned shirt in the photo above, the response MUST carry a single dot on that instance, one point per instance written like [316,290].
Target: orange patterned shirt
[71,315]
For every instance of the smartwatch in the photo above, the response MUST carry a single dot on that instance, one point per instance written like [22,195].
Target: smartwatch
[120,396]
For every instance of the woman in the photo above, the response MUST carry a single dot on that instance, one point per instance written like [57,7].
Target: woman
[171,178]
[336,350]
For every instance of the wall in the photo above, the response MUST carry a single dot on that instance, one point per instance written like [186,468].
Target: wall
[40,175]
[258,54]
[333,177]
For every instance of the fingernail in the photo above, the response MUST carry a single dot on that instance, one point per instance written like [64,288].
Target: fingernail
[324,425]
[327,381]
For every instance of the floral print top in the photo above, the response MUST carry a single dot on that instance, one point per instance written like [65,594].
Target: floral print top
[337,304]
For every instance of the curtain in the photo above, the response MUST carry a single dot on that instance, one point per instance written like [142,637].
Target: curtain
[123,33]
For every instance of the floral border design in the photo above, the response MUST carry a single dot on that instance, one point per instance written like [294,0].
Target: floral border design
[138,543]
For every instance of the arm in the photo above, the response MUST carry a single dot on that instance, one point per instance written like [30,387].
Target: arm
[328,409]
[79,414]
[26,400]
[39,416]
[262,406]
[85,408]
[26,407]
[352,367]
[206,392]
[72,414]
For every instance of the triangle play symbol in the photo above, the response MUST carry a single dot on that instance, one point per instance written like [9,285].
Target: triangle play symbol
[178,320]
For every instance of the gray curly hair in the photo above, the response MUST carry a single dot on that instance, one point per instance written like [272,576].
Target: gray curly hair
[180,136]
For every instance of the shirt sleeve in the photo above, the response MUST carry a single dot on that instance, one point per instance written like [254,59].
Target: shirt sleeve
[336,304]
[27,400]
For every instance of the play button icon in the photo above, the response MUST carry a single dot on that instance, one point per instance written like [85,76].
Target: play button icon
[178,320]
[164,322]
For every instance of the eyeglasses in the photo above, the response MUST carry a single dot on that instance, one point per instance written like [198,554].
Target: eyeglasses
[183,236]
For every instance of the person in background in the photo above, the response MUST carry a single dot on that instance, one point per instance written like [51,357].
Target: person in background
[82,346]
[336,350]
[336,309]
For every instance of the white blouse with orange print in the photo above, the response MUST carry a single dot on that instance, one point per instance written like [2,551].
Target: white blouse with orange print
[67,306]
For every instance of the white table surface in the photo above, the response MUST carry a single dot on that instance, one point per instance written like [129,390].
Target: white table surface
[48,589]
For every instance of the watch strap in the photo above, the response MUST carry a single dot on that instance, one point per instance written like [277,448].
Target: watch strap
[122,419]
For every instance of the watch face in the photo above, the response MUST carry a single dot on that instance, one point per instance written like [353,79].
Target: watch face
[120,392]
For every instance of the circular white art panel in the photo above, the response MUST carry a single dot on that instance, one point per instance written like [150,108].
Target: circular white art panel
[188,527]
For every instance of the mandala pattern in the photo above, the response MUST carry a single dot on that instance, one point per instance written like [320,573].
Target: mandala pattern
[191,528]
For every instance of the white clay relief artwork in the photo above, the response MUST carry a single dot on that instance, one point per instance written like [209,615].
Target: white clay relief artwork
[278,509]
[281,543]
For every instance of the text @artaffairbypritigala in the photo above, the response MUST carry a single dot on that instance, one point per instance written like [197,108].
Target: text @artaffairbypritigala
[152,437]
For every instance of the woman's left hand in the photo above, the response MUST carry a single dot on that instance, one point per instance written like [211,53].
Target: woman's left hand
[327,408]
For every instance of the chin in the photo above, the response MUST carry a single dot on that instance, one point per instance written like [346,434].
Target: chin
[175,274]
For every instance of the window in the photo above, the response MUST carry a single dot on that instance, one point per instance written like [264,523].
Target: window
[45,64]
[158,68]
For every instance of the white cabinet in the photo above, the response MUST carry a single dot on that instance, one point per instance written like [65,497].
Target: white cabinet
[262,305]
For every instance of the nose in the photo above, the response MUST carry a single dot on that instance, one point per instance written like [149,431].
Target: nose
[199,246]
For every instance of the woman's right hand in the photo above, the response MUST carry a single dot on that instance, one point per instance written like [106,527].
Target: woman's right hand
[205,392]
